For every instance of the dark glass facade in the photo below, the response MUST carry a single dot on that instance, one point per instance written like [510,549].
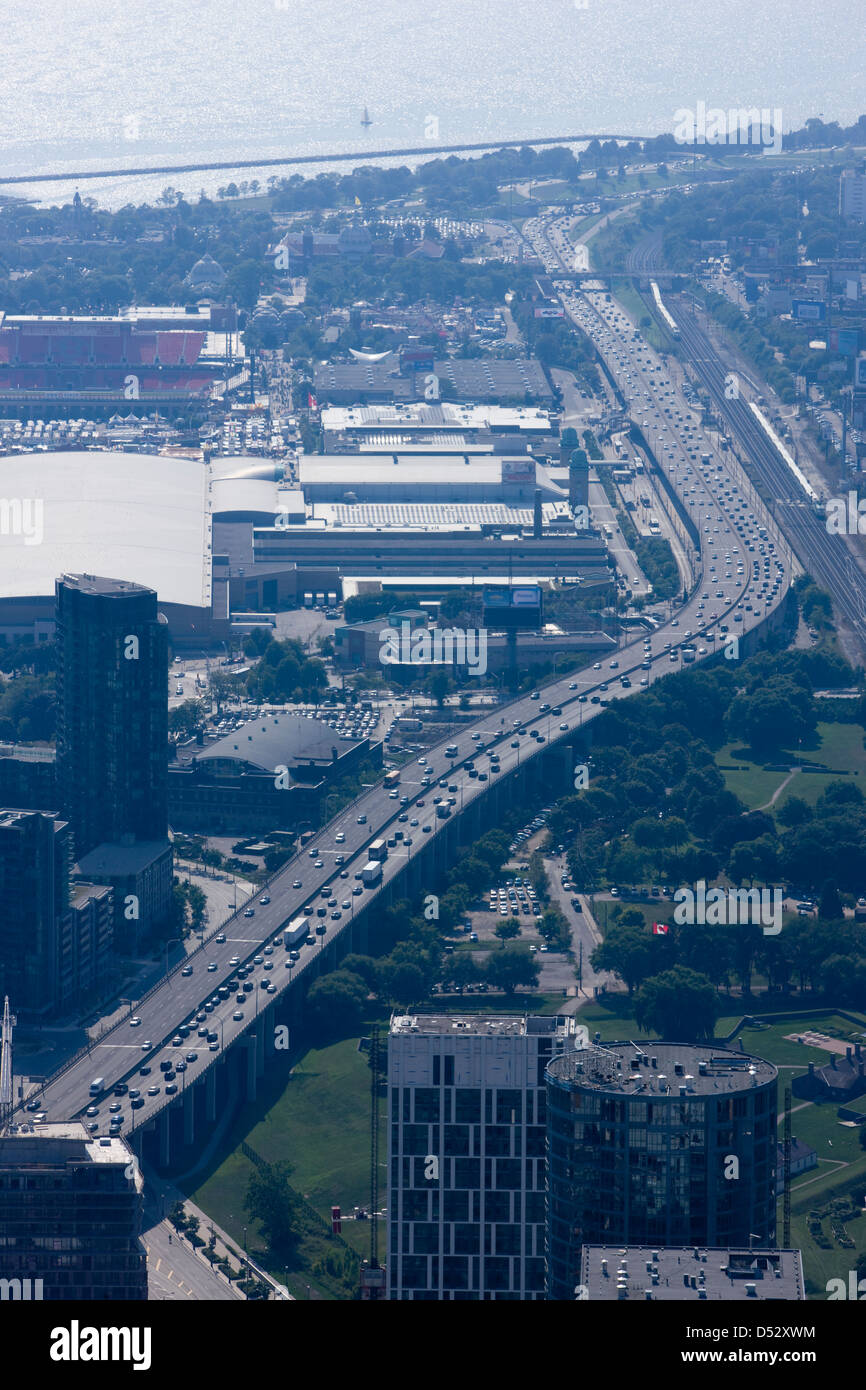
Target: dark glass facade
[678,1154]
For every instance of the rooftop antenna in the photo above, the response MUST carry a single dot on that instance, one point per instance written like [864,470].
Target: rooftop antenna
[6,1084]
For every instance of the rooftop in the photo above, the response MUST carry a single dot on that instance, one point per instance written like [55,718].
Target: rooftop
[145,518]
[269,741]
[661,1273]
[482,1025]
[661,1068]
[110,858]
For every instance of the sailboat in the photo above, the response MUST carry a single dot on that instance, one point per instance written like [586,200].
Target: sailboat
[365,119]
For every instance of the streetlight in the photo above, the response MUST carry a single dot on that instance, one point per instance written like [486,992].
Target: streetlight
[173,941]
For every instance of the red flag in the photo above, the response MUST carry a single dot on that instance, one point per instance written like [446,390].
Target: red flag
[312,403]
[660,928]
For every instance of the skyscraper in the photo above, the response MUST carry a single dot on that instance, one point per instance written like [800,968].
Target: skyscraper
[671,1145]
[112,738]
[112,700]
[467,1155]
[35,863]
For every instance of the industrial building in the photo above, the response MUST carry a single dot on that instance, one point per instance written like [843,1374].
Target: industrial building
[396,477]
[71,1215]
[652,1274]
[517,381]
[466,1155]
[448,427]
[273,773]
[359,645]
[667,1144]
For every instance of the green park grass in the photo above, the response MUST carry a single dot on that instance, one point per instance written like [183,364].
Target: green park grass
[838,746]
[315,1113]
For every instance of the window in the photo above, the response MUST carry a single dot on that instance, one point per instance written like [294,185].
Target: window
[467,1240]
[456,1140]
[467,1106]
[509,1107]
[456,1206]
[426,1105]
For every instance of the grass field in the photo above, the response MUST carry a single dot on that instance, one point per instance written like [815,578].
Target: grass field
[318,1117]
[838,746]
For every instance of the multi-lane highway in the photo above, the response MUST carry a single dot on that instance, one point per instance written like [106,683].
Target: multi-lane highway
[743,578]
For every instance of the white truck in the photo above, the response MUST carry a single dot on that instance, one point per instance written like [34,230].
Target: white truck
[371,873]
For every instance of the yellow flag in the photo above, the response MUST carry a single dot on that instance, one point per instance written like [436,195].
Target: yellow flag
[357,201]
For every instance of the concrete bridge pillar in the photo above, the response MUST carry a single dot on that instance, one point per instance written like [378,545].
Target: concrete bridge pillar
[259,1044]
[250,1044]
[189,1116]
[164,1138]
[210,1095]
[268,1032]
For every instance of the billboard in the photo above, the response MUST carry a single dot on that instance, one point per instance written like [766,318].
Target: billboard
[545,313]
[519,470]
[513,606]
[860,371]
[844,341]
[809,310]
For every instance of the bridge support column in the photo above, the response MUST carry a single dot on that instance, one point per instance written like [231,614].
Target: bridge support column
[164,1139]
[210,1095]
[189,1116]
[268,1032]
[251,1068]
[259,1044]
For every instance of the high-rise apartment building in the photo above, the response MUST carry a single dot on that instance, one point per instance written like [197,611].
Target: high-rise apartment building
[70,1215]
[56,938]
[112,739]
[852,195]
[112,701]
[665,1144]
[466,1199]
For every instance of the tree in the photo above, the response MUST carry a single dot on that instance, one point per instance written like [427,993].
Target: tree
[337,1001]
[830,907]
[627,952]
[274,1204]
[506,930]
[679,1004]
[507,970]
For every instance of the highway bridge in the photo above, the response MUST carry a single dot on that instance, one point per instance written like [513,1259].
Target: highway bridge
[537,740]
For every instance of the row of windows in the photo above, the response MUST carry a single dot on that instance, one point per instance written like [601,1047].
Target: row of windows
[494,1141]
[463,1105]
[415,1205]
[466,1272]
[429,1238]
[506,1173]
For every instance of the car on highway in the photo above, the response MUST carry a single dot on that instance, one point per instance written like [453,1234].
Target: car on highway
[187,970]
[264,901]
[238,1015]
[212,965]
[250,912]
[135,1023]
[297,883]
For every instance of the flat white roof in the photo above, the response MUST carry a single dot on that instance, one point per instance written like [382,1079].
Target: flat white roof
[140,517]
[421,416]
[406,472]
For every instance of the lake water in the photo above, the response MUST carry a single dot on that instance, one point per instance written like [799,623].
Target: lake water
[113,83]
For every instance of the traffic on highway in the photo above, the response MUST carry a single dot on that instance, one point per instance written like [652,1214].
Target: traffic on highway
[185,1024]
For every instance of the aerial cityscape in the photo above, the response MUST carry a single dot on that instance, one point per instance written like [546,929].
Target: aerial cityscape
[433,679]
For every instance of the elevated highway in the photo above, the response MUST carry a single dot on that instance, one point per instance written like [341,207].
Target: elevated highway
[537,740]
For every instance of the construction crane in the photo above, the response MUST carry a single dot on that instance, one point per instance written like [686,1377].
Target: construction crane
[372,1274]
[786,1174]
[7,1089]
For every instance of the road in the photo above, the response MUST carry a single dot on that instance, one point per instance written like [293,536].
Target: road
[733,597]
